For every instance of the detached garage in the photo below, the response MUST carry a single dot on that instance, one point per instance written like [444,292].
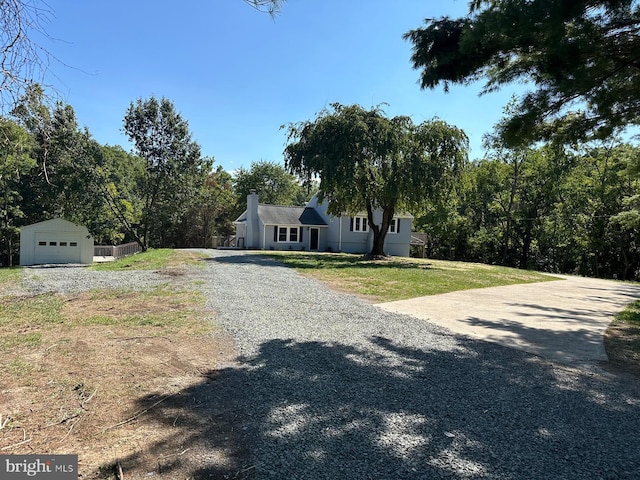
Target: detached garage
[55,241]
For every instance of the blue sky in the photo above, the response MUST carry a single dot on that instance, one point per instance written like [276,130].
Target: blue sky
[237,75]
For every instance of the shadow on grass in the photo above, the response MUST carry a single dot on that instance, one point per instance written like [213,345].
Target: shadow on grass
[310,410]
[315,261]
[631,314]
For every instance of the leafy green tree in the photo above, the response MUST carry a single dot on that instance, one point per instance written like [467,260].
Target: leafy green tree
[213,212]
[15,161]
[593,197]
[581,57]
[67,182]
[60,186]
[273,184]
[489,208]
[445,223]
[366,161]
[173,168]
[114,175]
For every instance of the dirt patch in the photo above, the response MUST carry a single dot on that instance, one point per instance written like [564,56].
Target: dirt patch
[342,285]
[622,344]
[120,380]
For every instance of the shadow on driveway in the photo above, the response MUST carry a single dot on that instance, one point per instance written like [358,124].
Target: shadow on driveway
[313,410]
[564,320]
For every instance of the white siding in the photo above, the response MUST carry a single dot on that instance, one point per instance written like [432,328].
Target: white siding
[55,241]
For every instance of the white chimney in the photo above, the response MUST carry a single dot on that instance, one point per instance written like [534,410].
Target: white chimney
[252,220]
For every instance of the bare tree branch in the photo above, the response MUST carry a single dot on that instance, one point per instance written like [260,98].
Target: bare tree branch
[272,7]
[23,61]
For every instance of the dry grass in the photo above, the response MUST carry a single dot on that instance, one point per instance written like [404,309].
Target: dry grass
[84,373]
[163,259]
[622,340]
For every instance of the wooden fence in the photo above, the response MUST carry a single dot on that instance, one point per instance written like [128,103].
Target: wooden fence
[116,251]
[222,241]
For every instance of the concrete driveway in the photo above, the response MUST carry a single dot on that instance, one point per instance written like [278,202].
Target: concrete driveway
[563,320]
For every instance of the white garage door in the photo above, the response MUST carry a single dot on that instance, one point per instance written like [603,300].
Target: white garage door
[57,247]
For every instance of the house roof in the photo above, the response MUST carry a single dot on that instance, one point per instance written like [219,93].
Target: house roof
[281,215]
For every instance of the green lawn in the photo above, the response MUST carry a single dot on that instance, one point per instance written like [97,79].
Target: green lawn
[9,276]
[152,259]
[401,278]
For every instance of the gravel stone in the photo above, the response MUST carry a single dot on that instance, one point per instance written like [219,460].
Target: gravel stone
[69,279]
[330,387]
[326,386]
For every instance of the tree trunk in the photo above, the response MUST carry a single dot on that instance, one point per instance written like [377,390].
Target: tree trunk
[378,244]
[379,231]
[526,244]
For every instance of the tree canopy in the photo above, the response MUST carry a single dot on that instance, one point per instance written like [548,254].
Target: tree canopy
[582,58]
[174,169]
[366,161]
[273,184]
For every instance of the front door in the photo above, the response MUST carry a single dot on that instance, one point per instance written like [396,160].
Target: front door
[313,240]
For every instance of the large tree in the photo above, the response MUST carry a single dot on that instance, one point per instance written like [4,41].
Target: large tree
[173,172]
[61,185]
[271,181]
[15,162]
[366,161]
[211,214]
[582,58]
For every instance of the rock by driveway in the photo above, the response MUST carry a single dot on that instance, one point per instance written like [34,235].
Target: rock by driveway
[562,320]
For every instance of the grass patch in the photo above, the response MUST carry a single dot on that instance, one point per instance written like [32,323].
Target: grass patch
[401,278]
[78,364]
[9,276]
[31,339]
[153,259]
[19,368]
[164,307]
[35,311]
[622,339]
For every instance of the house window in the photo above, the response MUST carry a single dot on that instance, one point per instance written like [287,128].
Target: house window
[287,234]
[393,226]
[359,224]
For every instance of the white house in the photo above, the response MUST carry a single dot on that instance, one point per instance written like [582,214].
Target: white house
[55,241]
[274,227]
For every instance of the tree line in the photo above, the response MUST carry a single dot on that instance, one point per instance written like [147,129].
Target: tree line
[162,194]
[549,208]
[552,207]
[557,192]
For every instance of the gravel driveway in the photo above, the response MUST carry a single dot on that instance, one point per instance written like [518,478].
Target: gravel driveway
[326,386]
[329,387]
